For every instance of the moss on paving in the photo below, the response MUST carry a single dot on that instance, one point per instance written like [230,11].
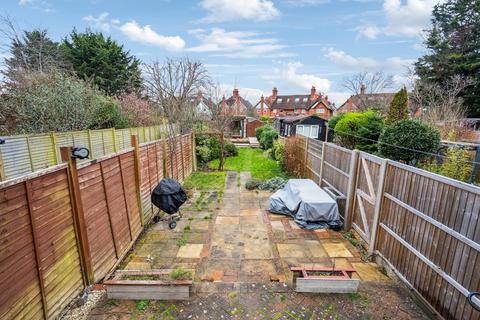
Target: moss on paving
[253,160]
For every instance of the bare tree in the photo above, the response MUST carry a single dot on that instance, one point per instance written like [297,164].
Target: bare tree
[367,83]
[221,117]
[172,85]
[440,105]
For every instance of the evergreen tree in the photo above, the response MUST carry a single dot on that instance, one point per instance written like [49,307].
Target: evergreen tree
[104,61]
[398,107]
[33,52]
[454,45]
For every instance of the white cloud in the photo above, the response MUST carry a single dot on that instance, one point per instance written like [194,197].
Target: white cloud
[403,18]
[238,44]
[25,2]
[303,3]
[147,35]
[229,10]
[365,63]
[289,73]
[101,22]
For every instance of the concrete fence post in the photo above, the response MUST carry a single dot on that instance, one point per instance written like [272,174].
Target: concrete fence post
[351,190]
[79,216]
[378,206]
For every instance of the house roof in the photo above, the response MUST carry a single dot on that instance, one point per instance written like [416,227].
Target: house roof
[299,118]
[366,100]
[296,101]
[231,101]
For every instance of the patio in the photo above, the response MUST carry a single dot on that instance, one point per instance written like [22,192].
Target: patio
[241,257]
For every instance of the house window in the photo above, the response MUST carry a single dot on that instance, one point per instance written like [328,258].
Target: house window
[297,99]
[305,99]
[320,110]
[303,111]
[279,100]
[314,132]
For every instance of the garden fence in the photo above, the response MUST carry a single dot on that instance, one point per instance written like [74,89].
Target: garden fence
[422,226]
[68,226]
[23,154]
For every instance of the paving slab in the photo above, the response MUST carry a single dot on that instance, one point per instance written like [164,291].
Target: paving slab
[190,251]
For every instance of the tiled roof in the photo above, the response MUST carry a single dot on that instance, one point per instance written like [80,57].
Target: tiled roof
[231,101]
[297,101]
[366,100]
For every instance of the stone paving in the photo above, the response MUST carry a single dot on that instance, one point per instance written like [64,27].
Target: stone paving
[241,257]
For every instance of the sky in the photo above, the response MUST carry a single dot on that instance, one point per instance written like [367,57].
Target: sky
[252,45]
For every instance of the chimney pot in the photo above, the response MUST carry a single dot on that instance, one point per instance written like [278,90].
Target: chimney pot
[313,92]
[362,89]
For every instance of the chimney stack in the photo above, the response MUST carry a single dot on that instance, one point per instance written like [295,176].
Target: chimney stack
[313,93]
[261,105]
[362,89]
[274,93]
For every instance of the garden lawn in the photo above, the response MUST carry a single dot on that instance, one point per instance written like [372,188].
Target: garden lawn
[253,160]
[205,181]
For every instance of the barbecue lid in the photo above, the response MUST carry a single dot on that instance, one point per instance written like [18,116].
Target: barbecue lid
[167,187]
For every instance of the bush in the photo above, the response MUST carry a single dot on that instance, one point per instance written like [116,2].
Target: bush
[272,184]
[259,131]
[109,115]
[334,120]
[252,184]
[53,101]
[267,136]
[398,107]
[208,148]
[359,130]
[455,165]
[279,152]
[413,136]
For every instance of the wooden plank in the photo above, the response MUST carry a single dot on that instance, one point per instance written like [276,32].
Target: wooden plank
[434,267]
[136,159]
[378,206]
[40,275]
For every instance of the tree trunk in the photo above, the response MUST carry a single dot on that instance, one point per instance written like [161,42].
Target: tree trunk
[222,153]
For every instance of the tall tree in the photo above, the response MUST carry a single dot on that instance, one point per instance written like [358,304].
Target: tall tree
[101,59]
[454,45]
[398,108]
[364,83]
[29,52]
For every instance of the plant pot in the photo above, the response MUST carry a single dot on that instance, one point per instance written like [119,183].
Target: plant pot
[147,285]
[325,280]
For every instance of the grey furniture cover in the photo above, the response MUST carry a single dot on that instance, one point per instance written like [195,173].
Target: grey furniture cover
[309,205]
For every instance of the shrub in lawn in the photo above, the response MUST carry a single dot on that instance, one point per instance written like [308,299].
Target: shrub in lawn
[415,138]
[180,273]
[279,152]
[208,148]
[267,137]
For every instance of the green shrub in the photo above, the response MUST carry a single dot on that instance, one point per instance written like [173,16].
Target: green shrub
[109,115]
[279,152]
[413,136]
[273,184]
[267,137]
[208,148]
[359,130]
[335,119]
[259,131]
[455,165]
[398,107]
[252,184]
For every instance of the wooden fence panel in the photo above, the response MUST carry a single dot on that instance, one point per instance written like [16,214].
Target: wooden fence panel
[430,233]
[111,209]
[295,155]
[313,164]
[19,282]
[40,268]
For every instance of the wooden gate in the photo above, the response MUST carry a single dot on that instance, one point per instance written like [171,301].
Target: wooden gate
[368,194]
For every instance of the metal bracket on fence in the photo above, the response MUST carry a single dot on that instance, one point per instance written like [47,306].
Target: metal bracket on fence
[474,300]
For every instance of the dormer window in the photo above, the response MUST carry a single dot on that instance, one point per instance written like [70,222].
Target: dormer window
[305,99]
[279,100]
[297,99]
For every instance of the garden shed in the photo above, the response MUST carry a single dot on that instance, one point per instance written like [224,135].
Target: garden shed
[310,126]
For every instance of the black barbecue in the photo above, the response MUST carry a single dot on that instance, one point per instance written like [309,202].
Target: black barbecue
[169,196]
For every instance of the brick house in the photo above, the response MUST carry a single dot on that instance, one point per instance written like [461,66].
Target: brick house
[238,107]
[364,101]
[296,104]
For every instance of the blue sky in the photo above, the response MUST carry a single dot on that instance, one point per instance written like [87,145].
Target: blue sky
[252,44]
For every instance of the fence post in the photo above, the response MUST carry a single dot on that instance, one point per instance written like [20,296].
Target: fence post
[305,157]
[475,165]
[79,216]
[136,160]
[194,153]
[2,168]
[54,147]
[114,140]
[351,190]
[322,158]
[28,192]
[30,158]
[89,135]
[378,206]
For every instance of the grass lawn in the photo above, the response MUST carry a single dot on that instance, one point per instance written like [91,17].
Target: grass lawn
[252,160]
[204,181]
